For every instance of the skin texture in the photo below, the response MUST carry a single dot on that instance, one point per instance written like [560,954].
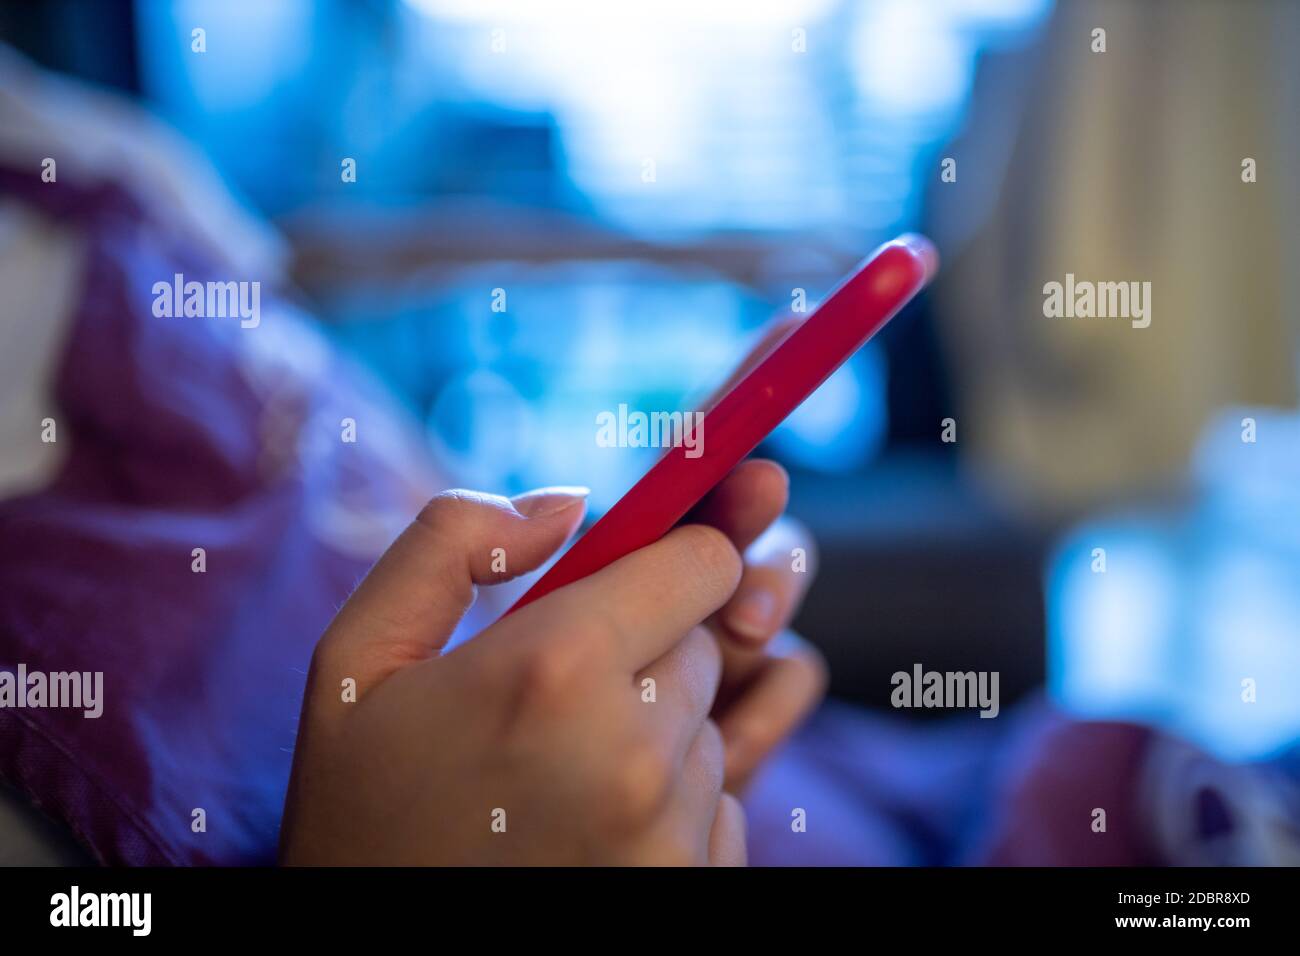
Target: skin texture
[541,715]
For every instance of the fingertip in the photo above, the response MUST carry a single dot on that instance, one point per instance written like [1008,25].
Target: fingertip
[745,502]
[771,475]
[714,553]
[775,485]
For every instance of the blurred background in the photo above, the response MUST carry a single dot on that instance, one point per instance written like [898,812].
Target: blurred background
[639,187]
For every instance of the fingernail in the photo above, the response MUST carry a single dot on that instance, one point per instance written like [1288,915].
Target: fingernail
[751,614]
[544,502]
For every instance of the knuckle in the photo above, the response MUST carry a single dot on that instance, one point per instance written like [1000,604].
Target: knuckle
[326,657]
[640,785]
[447,508]
[553,673]
[321,654]
[600,631]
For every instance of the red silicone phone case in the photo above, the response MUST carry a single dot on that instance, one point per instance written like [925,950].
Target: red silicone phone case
[755,405]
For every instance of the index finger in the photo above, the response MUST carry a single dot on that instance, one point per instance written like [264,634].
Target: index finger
[641,605]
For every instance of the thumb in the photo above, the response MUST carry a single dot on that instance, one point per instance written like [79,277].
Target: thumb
[410,602]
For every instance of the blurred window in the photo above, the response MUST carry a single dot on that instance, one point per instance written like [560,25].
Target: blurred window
[672,122]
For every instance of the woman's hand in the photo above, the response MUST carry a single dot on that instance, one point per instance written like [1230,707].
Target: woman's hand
[578,729]
[539,741]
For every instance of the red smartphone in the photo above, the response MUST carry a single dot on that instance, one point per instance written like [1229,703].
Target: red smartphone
[734,425]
